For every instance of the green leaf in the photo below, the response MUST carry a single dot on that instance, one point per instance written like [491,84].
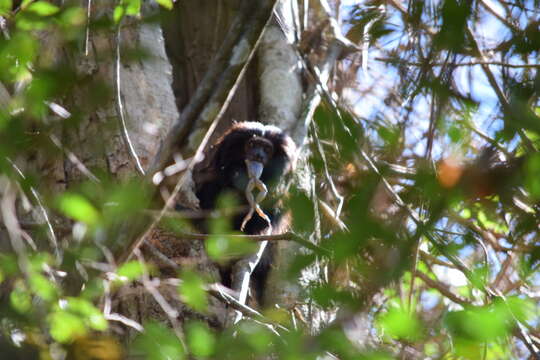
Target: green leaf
[89,314]
[20,299]
[302,209]
[522,309]
[133,7]
[8,264]
[532,176]
[125,200]
[192,291]
[43,287]
[400,324]
[167,4]
[223,247]
[118,14]
[327,296]
[42,8]
[479,324]
[66,326]
[299,263]
[340,128]
[377,355]
[38,261]
[25,3]
[452,34]
[73,318]
[455,133]
[158,342]
[335,341]
[201,341]
[465,213]
[93,289]
[131,270]
[21,50]
[486,222]
[389,134]
[5,7]
[258,337]
[73,17]
[77,207]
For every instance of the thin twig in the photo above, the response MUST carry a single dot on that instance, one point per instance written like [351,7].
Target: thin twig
[125,320]
[503,272]
[219,292]
[313,95]
[9,217]
[63,113]
[443,289]
[227,296]
[171,312]
[120,105]
[241,275]
[459,64]
[160,256]
[484,136]
[337,195]
[507,110]
[88,19]
[52,235]
[74,159]
[499,17]
[396,4]
[289,236]
[428,258]
[521,330]
[189,214]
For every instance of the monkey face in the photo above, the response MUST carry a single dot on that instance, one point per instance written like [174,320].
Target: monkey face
[247,151]
[258,151]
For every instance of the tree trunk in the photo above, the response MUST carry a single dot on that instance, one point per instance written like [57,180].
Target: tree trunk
[124,134]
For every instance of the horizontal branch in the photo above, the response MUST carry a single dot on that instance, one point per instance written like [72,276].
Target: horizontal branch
[443,289]
[489,7]
[287,236]
[468,63]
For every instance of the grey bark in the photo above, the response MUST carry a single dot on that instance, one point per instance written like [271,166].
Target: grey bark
[102,140]
[279,80]
[280,104]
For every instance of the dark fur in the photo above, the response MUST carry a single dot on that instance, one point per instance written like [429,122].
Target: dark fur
[227,172]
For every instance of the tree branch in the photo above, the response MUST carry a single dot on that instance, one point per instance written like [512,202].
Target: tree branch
[443,289]
[468,63]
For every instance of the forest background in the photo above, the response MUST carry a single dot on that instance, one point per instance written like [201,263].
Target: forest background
[414,203]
